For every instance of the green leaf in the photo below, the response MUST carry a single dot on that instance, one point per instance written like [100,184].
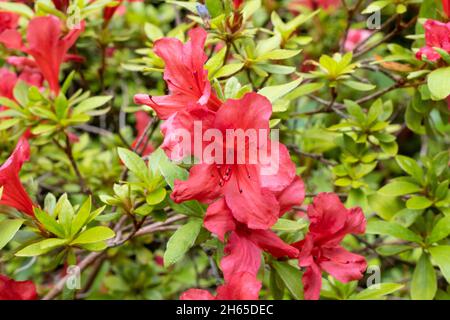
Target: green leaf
[273,93]
[289,225]
[384,206]
[214,7]
[359,86]
[134,163]
[439,83]
[392,229]
[156,196]
[19,8]
[377,291]
[169,170]
[440,231]
[390,250]
[41,247]
[216,62]
[441,256]
[279,54]
[410,166]
[423,284]
[64,211]
[181,241]
[81,217]
[228,70]
[291,277]
[399,188]
[91,104]
[376,6]
[8,123]
[8,229]
[152,32]
[49,223]
[95,234]
[304,90]
[418,202]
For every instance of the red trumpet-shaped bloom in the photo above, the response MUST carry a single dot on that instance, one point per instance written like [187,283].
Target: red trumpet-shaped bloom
[446,7]
[46,44]
[241,286]
[248,188]
[142,120]
[61,5]
[14,194]
[184,74]
[16,290]
[244,246]
[437,34]
[321,251]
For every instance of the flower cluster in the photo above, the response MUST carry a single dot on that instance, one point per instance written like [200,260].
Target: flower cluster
[244,203]
[437,35]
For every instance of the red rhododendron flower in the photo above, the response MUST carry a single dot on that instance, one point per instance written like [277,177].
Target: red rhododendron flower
[8,20]
[241,286]
[294,5]
[46,45]
[244,246]
[437,34]
[14,194]
[185,75]
[250,194]
[237,4]
[61,5]
[16,290]
[446,7]
[142,120]
[9,80]
[355,37]
[330,222]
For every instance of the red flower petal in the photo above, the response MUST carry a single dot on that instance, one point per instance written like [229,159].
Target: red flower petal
[14,194]
[242,256]
[196,294]
[16,290]
[241,286]
[312,282]
[219,220]
[342,264]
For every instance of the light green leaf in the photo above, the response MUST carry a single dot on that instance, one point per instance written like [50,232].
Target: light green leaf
[418,203]
[439,83]
[181,241]
[156,196]
[91,104]
[292,278]
[410,166]
[41,247]
[440,231]
[95,234]
[289,225]
[134,163]
[359,86]
[152,32]
[377,291]
[399,188]
[274,93]
[228,70]
[441,256]
[8,229]
[392,229]
[19,8]
[49,223]
[423,284]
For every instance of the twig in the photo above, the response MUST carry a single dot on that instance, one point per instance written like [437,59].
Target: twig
[92,257]
[295,149]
